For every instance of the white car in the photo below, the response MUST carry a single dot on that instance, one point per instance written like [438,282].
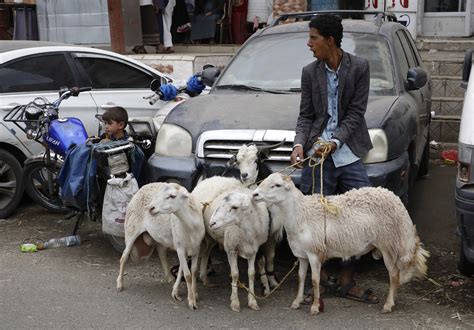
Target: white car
[29,69]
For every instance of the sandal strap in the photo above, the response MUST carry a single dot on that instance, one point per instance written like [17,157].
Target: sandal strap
[344,289]
[366,294]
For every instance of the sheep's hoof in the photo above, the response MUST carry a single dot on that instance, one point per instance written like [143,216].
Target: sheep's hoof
[235,307]
[314,310]
[254,306]
[192,306]
[176,296]
[386,309]
[295,305]
[119,288]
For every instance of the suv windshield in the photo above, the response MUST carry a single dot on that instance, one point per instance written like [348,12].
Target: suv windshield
[274,62]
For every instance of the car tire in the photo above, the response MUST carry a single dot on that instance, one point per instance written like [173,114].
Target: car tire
[11,183]
[118,243]
[34,174]
[464,266]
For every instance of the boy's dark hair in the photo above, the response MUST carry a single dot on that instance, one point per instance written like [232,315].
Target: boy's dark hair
[117,114]
[328,26]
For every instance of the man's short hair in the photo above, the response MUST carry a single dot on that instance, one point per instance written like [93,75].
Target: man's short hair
[117,114]
[328,26]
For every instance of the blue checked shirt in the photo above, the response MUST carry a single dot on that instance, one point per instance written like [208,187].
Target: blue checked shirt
[343,155]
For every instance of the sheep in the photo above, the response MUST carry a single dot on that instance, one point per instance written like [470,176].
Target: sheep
[207,192]
[250,161]
[182,231]
[241,226]
[367,218]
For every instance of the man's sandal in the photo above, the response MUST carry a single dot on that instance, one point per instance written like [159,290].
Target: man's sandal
[343,291]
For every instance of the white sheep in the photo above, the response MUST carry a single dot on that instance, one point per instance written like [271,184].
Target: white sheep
[367,218]
[241,226]
[250,161]
[182,231]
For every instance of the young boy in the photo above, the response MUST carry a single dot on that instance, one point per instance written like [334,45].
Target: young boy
[116,120]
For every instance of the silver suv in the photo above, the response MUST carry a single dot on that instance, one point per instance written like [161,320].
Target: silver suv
[256,99]
[29,69]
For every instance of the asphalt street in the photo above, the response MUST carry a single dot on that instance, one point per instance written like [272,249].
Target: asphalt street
[74,287]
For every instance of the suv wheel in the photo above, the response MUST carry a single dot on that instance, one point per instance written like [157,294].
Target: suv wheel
[11,183]
[464,266]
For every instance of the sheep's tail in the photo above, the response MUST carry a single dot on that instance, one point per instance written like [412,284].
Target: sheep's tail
[416,263]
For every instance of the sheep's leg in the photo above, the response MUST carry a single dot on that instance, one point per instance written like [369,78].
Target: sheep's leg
[394,274]
[123,260]
[183,265]
[205,254]
[194,265]
[164,263]
[263,275]
[270,247]
[301,278]
[315,279]
[252,302]
[234,269]
[175,293]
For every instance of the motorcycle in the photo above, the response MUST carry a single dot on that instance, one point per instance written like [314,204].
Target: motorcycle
[40,121]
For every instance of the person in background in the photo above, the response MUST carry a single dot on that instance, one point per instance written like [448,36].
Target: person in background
[167,14]
[206,15]
[150,27]
[181,22]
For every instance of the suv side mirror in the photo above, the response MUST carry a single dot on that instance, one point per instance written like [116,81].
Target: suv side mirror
[209,75]
[416,78]
[466,68]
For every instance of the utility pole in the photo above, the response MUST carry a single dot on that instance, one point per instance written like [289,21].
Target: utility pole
[117,35]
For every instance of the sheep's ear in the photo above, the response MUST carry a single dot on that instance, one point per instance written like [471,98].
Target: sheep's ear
[232,160]
[287,182]
[184,193]
[245,200]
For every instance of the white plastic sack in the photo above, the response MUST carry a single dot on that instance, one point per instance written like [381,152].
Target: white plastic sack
[118,193]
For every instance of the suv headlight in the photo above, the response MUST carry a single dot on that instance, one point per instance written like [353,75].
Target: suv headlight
[465,161]
[173,140]
[379,151]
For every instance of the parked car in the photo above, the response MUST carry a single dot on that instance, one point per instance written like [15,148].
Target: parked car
[464,194]
[256,99]
[29,69]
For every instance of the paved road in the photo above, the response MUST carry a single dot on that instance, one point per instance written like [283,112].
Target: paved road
[75,287]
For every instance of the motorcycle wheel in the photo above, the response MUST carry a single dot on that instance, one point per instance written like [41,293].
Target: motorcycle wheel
[11,183]
[36,185]
[118,243]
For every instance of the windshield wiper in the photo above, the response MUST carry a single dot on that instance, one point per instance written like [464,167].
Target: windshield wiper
[253,88]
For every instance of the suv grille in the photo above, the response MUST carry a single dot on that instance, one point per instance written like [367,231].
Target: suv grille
[225,143]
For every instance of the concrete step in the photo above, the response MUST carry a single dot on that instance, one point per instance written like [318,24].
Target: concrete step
[443,63]
[445,129]
[447,86]
[448,45]
[183,65]
[447,106]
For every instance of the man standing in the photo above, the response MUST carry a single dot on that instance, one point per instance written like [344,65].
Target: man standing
[334,94]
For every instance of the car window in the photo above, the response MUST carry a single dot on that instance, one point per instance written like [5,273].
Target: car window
[409,53]
[36,73]
[105,73]
[275,61]
[401,56]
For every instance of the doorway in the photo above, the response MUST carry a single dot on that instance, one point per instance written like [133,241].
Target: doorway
[446,18]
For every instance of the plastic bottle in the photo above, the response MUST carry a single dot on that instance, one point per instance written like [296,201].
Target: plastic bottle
[64,241]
